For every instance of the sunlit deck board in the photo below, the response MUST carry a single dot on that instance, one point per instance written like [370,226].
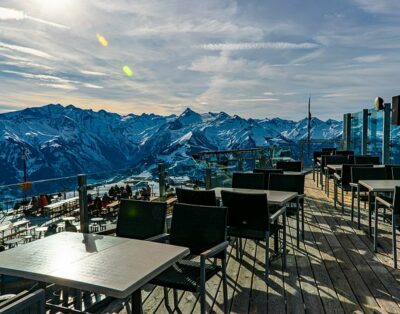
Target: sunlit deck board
[333,271]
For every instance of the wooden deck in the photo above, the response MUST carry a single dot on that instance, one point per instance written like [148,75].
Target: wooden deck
[333,271]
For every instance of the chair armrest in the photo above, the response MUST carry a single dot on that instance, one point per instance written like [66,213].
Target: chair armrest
[354,185]
[301,196]
[383,202]
[159,238]
[214,250]
[337,177]
[278,213]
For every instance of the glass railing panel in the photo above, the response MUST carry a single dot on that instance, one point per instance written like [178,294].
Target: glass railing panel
[356,132]
[395,145]
[375,132]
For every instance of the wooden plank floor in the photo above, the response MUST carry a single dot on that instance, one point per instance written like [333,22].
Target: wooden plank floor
[333,271]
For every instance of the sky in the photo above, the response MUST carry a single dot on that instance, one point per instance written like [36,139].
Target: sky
[254,58]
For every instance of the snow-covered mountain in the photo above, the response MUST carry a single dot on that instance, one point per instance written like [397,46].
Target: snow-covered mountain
[63,141]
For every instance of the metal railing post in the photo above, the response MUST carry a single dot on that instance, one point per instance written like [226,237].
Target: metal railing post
[83,206]
[364,134]
[161,179]
[386,134]
[347,131]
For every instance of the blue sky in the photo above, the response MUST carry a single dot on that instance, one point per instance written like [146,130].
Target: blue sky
[252,58]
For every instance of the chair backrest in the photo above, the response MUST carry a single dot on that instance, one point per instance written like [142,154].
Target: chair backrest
[344,152]
[25,302]
[197,227]
[196,197]
[288,165]
[367,173]
[248,180]
[316,154]
[346,173]
[267,173]
[287,182]
[396,201]
[335,160]
[395,173]
[374,160]
[248,211]
[141,219]
[328,150]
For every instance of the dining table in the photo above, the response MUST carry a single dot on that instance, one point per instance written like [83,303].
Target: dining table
[113,266]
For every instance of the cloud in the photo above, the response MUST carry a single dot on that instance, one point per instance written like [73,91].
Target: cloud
[92,86]
[369,59]
[12,14]
[27,50]
[254,100]
[260,45]
[389,7]
[94,73]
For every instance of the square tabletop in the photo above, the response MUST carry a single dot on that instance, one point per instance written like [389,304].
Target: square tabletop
[108,265]
[274,197]
[380,185]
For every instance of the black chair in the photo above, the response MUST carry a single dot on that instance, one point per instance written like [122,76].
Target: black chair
[25,302]
[196,197]
[331,160]
[343,181]
[328,150]
[395,207]
[396,173]
[202,229]
[142,220]
[294,166]
[367,160]
[249,218]
[243,180]
[362,173]
[316,164]
[345,153]
[291,183]
[266,173]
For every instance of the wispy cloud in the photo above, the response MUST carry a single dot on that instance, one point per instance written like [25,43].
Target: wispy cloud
[27,50]
[94,73]
[260,45]
[369,59]
[92,86]
[12,14]
[254,100]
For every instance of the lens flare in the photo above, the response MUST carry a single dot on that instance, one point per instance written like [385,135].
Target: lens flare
[127,70]
[102,40]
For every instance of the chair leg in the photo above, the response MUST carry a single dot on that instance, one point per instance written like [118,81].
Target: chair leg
[175,293]
[266,256]
[370,214]
[284,241]
[313,172]
[352,204]
[394,245]
[166,300]
[376,227]
[302,222]
[358,207]
[298,225]
[224,285]
[342,200]
[202,290]
[334,194]
[317,178]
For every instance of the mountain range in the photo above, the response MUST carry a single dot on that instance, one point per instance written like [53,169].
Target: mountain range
[66,140]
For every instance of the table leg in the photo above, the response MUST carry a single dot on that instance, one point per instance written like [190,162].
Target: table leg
[137,302]
[394,245]
[370,213]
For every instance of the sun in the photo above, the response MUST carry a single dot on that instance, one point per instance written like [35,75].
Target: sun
[54,6]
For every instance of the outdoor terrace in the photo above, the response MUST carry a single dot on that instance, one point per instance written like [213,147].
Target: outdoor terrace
[333,271]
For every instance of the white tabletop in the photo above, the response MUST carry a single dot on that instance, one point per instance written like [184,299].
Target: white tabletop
[380,185]
[274,197]
[102,264]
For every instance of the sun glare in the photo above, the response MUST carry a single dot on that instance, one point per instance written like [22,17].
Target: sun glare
[54,6]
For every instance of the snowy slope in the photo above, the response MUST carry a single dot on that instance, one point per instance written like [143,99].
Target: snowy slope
[64,141]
